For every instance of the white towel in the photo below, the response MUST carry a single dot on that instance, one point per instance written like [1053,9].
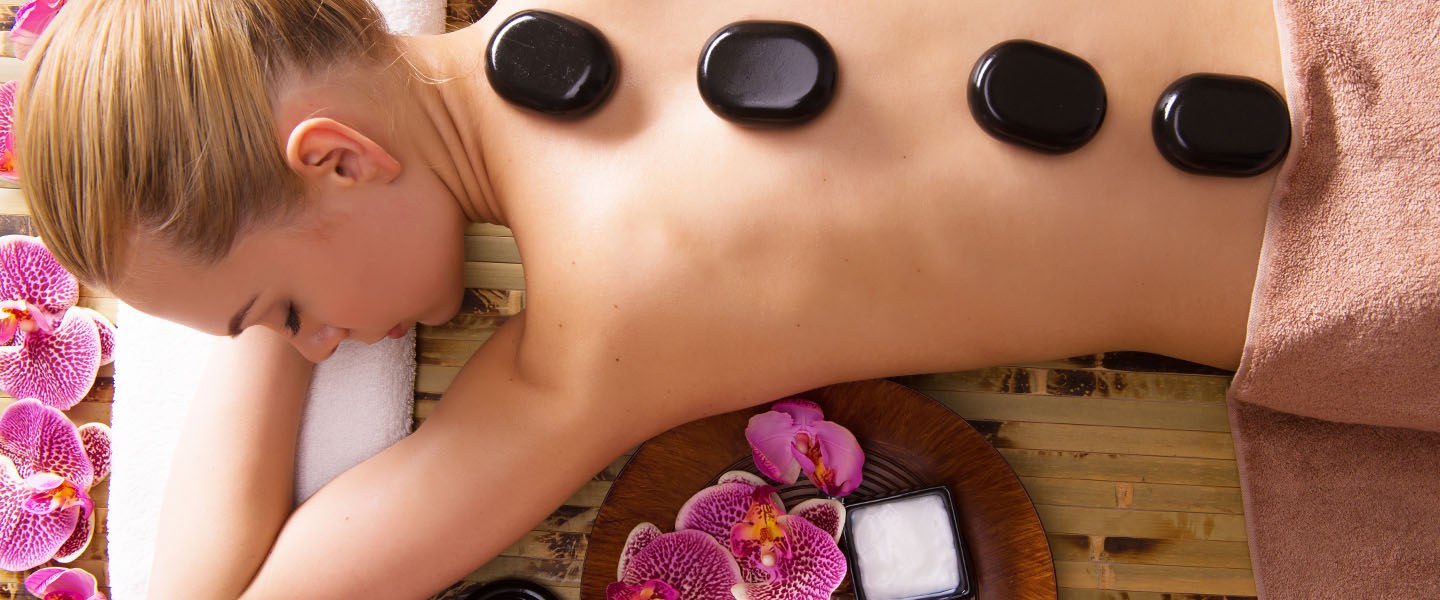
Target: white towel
[157,372]
[413,17]
[360,401]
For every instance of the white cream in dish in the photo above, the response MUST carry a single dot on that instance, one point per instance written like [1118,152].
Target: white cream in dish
[905,548]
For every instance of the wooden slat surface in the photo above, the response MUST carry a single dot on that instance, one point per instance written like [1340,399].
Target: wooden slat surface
[1127,457]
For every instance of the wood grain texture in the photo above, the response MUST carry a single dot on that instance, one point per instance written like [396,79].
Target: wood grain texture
[1010,553]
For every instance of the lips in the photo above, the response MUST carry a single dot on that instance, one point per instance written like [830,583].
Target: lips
[398,332]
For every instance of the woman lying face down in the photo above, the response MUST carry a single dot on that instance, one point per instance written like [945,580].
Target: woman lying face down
[285,172]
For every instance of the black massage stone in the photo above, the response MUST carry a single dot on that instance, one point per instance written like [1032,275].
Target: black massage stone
[551,63]
[1221,125]
[767,73]
[1037,96]
[511,589]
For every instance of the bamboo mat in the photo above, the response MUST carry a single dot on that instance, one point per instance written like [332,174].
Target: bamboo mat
[1127,457]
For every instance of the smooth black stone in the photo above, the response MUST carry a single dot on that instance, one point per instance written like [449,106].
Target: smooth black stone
[511,589]
[551,63]
[767,73]
[1037,96]
[1221,125]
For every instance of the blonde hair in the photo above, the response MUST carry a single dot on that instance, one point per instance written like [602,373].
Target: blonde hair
[156,116]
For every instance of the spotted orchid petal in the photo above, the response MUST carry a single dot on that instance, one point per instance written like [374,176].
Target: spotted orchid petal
[827,514]
[95,438]
[653,589]
[79,540]
[58,368]
[59,582]
[793,437]
[40,439]
[7,122]
[813,571]
[744,477]
[30,20]
[31,274]
[107,334]
[30,539]
[639,537]
[690,562]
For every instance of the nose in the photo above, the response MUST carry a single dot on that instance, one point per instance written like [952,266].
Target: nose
[318,345]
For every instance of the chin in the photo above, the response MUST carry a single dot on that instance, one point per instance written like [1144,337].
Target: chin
[445,312]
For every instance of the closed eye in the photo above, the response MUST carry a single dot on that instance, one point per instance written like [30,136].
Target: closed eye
[292,319]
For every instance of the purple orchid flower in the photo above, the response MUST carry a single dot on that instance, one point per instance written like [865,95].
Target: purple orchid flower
[30,20]
[793,437]
[780,555]
[7,121]
[58,583]
[47,467]
[47,350]
[670,566]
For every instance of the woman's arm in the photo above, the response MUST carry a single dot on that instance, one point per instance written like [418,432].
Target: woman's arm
[497,456]
[231,481]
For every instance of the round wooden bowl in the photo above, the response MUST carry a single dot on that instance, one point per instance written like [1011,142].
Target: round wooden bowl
[910,441]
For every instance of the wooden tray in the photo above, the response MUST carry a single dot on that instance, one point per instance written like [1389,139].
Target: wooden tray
[910,441]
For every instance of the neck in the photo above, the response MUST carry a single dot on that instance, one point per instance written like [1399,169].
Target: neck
[448,67]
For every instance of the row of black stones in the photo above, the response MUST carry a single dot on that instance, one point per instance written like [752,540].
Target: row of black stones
[756,73]
[1049,100]
[768,73]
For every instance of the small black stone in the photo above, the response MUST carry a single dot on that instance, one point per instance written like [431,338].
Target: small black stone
[511,589]
[767,73]
[1221,125]
[1037,96]
[551,63]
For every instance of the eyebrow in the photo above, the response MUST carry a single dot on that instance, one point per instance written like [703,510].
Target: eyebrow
[239,317]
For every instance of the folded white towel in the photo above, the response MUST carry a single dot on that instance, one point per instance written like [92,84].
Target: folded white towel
[361,402]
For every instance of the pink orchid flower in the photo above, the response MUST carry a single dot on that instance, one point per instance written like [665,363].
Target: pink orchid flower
[58,583]
[782,556]
[47,467]
[7,120]
[793,437]
[30,20]
[48,350]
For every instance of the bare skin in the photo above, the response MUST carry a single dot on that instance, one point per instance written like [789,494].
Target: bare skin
[679,266]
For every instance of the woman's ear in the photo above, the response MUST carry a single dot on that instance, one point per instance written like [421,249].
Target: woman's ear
[324,150]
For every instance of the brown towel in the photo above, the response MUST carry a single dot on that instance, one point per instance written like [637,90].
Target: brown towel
[1343,501]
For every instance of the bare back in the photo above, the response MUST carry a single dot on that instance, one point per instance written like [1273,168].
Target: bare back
[890,235]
